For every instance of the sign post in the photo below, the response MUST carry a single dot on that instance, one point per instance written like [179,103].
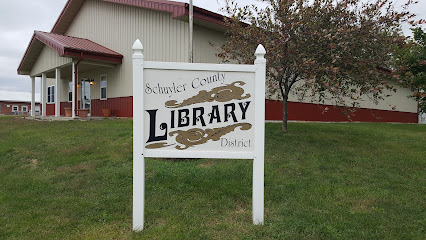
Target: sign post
[195,110]
[258,161]
[138,142]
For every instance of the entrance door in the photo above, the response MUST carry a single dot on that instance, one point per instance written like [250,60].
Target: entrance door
[85,94]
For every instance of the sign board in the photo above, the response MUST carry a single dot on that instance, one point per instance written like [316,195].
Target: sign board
[188,113]
[193,110]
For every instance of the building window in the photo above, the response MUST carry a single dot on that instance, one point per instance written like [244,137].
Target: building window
[70,92]
[51,94]
[15,108]
[25,108]
[103,87]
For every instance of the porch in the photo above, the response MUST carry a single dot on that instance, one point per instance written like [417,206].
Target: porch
[76,91]
[62,63]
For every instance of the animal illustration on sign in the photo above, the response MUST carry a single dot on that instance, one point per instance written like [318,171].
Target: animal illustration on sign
[229,112]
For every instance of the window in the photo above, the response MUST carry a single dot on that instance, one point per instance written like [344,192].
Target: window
[103,87]
[15,108]
[70,92]
[25,108]
[51,94]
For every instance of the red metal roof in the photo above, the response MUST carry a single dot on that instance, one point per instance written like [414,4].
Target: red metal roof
[178,10]
[67,46]
[63,44]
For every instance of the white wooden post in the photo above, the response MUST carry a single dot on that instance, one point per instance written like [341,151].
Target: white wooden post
[57,93]
[43,94]
[32,96]
[138,142]
[74,82]
[259,149]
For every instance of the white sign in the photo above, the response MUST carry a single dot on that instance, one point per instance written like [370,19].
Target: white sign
[193,110]
[199,111]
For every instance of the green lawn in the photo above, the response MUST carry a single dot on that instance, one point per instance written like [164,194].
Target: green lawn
[73,180]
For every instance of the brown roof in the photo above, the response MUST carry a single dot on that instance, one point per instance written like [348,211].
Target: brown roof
[66,46]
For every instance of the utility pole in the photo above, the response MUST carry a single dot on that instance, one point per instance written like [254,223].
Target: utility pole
[191,32]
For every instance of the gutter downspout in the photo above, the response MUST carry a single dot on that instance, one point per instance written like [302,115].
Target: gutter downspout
[76,83]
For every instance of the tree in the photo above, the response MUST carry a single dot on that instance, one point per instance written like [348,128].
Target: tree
[410,66]
[330,50]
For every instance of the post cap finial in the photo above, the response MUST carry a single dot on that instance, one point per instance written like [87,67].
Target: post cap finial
[137,45]
[260,51]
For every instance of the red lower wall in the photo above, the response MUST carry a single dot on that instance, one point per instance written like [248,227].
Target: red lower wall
[50,109]
[123,107]
[328,113]
[120,107]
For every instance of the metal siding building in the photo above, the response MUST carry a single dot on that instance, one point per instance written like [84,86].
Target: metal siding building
[94,37]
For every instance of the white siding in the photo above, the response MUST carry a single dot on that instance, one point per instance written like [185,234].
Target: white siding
[398,101]
[117,26]
[64,89]
[47,61]
[203,51]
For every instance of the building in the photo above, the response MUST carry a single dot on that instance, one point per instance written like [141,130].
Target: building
[86,59]
[18,103]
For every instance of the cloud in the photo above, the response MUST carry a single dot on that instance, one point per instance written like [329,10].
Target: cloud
[19,19]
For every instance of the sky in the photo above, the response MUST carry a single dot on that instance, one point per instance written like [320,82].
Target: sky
[19,19]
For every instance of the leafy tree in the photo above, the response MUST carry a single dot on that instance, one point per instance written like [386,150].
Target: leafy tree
[410,66]
[325,49]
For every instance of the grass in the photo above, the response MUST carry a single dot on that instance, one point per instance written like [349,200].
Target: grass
[73,180]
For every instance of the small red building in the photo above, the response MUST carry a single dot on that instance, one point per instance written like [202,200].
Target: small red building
[18,103]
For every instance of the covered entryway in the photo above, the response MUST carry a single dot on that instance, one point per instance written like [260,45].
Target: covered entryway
[63,58]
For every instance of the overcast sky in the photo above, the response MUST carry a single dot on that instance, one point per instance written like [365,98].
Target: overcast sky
[19,19]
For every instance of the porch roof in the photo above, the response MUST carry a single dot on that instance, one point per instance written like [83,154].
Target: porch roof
[66,46]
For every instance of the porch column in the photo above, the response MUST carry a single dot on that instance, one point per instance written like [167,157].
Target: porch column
[74,90]
[43,94]
[32,96]
[58,93]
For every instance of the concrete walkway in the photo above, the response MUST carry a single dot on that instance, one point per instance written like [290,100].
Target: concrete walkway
[53,118]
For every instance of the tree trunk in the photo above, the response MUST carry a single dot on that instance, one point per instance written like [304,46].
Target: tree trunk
[285,114]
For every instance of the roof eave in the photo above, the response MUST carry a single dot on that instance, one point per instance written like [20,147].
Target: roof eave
[103,57]
[75,5]
[23,72]
[20,72]
[205,15]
